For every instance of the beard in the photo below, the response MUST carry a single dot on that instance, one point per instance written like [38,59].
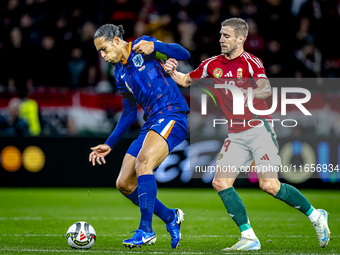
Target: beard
[230,51]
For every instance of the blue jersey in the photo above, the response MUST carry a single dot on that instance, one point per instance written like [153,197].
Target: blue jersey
[144,77]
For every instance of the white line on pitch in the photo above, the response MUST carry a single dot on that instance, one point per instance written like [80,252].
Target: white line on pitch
[100,251]
[68,218]
[20,218]
[189,236]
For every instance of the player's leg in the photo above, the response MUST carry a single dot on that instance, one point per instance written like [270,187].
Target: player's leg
[232,156]
[152,153]
[266,154]
[159,141]
[164,135]
[127,181]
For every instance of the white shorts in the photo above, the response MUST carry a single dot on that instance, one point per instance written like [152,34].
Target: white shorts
[241,149]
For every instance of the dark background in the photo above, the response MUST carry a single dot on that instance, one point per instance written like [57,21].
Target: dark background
[49,43]
[47,50]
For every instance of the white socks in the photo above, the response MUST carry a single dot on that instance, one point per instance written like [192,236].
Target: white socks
[249,233]
[314,216]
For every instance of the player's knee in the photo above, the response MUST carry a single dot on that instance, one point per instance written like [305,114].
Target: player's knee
[220,184]
[124,186]
[143,166]
[269,186]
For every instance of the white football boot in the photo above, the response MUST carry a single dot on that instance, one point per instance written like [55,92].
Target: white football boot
[245,244]
[321,228]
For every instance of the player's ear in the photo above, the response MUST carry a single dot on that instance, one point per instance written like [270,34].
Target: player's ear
[116,40]
[240,39]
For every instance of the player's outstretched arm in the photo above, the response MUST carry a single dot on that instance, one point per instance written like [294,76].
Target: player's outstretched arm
[262,91]
[126,119]
[172,50]
[181,79]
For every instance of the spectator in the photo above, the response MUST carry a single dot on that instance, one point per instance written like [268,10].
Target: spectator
[275,60]
[11,124]
[29,112]
[160,28]
[310,61]
[90,53]
[15,52]
[303,34]
[123,12]
[77,67]
[51,72]
[254,43]
[12,14]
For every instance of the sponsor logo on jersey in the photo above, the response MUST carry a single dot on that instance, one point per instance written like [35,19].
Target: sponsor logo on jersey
[161,120]
[138,60]
[262,75]
[228,74]
[220,156]
[265,157]
[142,68]
[218,72]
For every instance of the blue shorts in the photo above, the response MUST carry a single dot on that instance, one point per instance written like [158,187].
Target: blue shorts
[173,127]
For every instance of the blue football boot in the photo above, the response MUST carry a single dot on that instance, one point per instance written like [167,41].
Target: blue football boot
[140,238]
[174,227]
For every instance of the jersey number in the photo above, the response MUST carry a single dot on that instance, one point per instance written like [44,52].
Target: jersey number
[226,145]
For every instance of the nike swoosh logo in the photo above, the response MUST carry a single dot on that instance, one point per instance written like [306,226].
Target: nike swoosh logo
[240,246]
[142,194]
[324,234]
[122,76]
[148,239]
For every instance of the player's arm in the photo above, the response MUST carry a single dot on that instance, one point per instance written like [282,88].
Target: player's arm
[263,89]
[181,79]
[126,119]
[171,50]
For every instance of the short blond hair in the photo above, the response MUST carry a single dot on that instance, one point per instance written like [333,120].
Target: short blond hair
[239,26]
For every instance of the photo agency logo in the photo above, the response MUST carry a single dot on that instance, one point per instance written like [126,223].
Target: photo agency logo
[240,101]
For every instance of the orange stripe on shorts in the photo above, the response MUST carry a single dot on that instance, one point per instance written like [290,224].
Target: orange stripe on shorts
[169,130]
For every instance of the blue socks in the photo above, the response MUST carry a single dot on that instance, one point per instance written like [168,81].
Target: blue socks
[163,212]
[147,190]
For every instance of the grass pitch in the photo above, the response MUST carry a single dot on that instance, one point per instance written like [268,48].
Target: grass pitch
[35,220]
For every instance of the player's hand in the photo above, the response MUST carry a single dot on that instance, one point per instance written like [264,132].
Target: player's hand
[144,47]
[98,153]
[170,65]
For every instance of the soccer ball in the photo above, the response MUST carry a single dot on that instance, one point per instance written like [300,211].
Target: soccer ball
[81,235]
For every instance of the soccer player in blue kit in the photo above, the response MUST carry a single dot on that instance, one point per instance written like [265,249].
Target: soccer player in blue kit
[141,78]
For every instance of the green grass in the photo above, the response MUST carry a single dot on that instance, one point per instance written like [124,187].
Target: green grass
[35,220]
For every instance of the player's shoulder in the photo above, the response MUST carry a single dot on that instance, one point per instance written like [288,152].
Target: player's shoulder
[251,59]
[145,38]
[212,60]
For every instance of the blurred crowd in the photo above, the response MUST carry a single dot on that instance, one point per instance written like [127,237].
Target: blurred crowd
[47,46]
[49,43]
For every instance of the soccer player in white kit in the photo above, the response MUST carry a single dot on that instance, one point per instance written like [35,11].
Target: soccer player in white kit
[246,143]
